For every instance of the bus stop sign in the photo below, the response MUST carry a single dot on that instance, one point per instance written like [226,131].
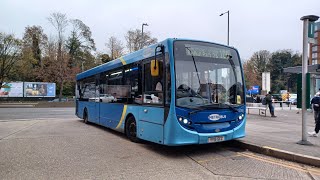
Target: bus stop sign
[311,29]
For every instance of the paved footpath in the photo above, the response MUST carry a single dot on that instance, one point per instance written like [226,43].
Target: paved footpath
[279,136]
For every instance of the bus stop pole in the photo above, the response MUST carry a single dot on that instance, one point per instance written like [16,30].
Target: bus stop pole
[305,20]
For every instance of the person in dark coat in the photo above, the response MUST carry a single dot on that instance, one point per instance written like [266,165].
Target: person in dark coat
[315,102]
[269,103]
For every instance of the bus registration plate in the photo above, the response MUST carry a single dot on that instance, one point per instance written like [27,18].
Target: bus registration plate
[215,139]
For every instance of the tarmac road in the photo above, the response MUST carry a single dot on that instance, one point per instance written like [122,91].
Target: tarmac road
[35,113]
[51,143]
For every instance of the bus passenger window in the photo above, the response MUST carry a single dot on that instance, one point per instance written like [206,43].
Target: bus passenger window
[132,78]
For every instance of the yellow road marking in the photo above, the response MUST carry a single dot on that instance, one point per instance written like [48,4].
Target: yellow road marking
[124,111]
[123,61]
[275,149]
[290,166]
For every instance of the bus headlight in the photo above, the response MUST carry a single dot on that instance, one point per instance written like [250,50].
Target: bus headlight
[184,120]
[241,116]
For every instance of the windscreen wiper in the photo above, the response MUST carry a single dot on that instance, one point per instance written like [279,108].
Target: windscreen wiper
[235,76]
[209,106]
[204,107]
[194,62]
[219,106]
[195,66]
[231,107]
[197,110]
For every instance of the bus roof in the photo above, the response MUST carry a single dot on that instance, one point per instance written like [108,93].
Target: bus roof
[130,58]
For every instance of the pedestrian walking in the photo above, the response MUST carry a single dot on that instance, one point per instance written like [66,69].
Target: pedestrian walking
[269,103]
[315,102]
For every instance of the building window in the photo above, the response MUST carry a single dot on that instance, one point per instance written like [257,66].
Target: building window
[314,61]
[314,48]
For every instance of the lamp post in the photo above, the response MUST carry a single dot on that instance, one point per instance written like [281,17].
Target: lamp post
[306,20]
[142,39]
[228,22]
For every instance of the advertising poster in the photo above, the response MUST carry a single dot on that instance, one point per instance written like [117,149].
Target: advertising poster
[12,89]
[39,89]
[254,90]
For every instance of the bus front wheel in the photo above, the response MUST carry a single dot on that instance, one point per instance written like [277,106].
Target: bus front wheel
[131,129]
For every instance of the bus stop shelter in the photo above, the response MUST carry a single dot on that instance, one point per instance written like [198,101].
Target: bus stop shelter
[314,71]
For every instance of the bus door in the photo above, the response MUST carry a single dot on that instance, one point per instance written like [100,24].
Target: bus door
[151,114]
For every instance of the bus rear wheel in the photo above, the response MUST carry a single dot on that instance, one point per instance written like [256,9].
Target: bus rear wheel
[131,129]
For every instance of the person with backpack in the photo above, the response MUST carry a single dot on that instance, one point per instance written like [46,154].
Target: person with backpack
[268,100]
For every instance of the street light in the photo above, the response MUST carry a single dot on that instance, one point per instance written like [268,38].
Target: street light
[306,20]
[228,23]
[142,39]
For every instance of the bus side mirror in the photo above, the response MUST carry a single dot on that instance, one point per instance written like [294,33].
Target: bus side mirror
[238,99]
[154,67]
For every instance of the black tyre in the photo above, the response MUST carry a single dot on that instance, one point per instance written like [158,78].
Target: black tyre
[85,117]
[131,129]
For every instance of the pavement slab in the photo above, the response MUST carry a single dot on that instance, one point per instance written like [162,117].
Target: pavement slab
[281,134]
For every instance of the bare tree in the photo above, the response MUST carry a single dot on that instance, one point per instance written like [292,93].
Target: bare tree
[134,39]
[147,39]
[51,72]
[59,22]
[10,49]
[115,47]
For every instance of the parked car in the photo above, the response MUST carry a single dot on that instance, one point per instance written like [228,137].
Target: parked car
[293,101]
[107,98]
[57,100]
[147,99]
[276,97]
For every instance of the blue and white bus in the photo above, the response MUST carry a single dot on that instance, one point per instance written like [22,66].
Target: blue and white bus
[176,92]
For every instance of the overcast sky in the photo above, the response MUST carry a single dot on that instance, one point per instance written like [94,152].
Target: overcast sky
[254,24]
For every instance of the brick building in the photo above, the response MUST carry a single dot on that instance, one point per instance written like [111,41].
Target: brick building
[314,49]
